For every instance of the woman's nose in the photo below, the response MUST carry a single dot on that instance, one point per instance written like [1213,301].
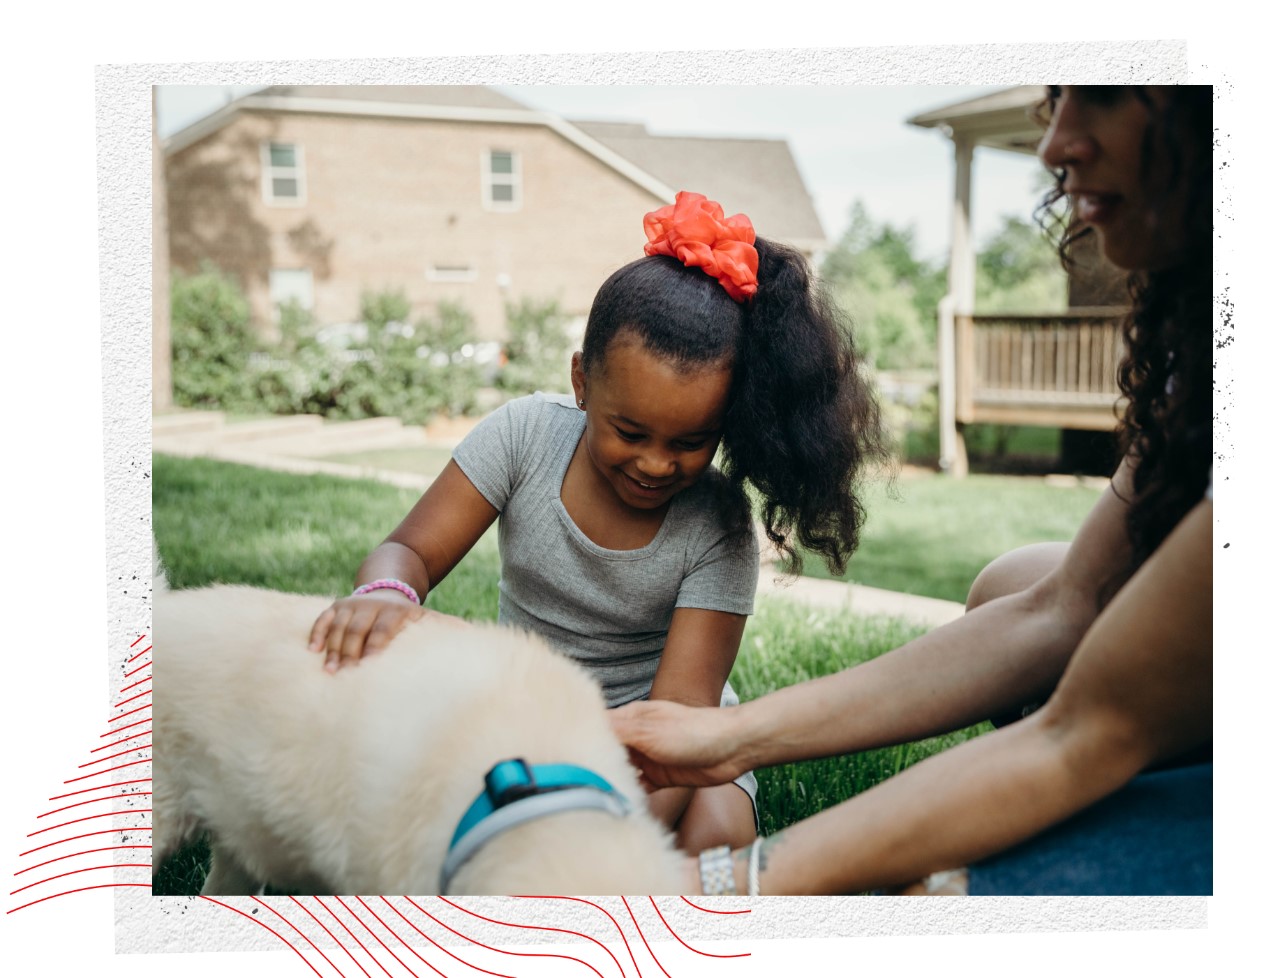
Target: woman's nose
[1068,140]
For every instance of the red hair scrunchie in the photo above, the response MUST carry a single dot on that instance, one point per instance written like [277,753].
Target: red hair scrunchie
[695,231]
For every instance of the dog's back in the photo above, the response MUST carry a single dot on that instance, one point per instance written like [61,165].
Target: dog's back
[354,782]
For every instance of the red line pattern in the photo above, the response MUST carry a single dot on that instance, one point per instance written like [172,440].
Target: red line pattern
[90,801]
[707,954]
[345,949]
[306,933]
[352,936]
[643,938]
[439,947]
[138,670]
[144,679]
[271,929]
[709,910]
[118,798]
[73,855]
[112,733]
[125,740]
[87,818]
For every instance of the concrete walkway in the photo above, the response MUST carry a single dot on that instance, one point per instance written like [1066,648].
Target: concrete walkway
[298,444]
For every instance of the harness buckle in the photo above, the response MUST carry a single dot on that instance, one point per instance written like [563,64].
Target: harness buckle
[510,781]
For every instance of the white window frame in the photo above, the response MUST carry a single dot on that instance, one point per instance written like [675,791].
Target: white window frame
[489,179]
[270,172]
[444,272]
[310,293]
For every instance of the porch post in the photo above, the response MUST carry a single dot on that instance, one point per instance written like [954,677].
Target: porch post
[952,457]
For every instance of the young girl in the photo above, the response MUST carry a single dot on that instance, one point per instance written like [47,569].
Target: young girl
[1105,789]
[620,544]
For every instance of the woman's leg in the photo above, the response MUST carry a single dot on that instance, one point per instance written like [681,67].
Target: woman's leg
[1014,572]
[1008,574]
[717,816]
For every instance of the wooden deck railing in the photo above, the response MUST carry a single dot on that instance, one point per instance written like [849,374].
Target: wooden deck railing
[1056,370]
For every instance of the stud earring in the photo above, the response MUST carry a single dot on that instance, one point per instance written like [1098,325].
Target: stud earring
[582,404]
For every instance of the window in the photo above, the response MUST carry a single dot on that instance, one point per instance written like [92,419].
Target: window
[445,272]
[290,284]
[502,180]
[282,174]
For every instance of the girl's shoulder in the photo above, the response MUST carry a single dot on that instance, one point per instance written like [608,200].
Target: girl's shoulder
[532,411]
[540,404]
[713,508]
[522,421]
[524,439]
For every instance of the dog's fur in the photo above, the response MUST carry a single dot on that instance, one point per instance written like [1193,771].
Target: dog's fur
[354,782]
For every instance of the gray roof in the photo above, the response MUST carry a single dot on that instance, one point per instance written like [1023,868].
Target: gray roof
[756,177]
[1001,119]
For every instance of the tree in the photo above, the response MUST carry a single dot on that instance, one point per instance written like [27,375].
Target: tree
[891,295]
[1018,271]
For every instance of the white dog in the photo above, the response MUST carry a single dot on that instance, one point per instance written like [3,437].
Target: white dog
[355,782]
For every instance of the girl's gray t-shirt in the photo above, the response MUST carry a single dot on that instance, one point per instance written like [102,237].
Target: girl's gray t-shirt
[607,609]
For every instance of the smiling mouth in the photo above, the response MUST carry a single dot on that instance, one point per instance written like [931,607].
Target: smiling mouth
[649,486]
[1096,208]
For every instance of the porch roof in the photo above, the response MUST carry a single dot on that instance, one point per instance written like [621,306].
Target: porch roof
[1000,119]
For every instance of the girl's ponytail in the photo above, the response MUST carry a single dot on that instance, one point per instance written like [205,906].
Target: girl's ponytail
[803,421]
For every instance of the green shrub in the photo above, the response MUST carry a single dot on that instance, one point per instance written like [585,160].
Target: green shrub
[212,341]
[456,385]
[537,348]
[411,371]
[379,309]
[287,377]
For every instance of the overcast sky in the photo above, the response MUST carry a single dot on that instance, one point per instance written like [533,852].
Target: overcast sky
[850,142]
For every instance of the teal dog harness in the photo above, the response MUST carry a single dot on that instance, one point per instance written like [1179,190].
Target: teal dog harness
[516,792]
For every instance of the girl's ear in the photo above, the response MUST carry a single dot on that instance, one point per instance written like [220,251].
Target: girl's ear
[579,378]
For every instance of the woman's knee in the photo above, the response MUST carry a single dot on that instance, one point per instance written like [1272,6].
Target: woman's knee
[717,816]
[1014,571]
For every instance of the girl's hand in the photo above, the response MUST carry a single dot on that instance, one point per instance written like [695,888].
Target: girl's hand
[673,744]
[353,627]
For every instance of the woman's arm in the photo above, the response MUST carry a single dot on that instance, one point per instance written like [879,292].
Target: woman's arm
[437,533]
[696,661]
[1006,653]
[1139,690]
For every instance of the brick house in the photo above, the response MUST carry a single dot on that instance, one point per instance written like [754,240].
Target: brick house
[446,192]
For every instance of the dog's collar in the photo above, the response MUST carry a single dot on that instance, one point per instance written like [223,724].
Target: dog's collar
[516,792]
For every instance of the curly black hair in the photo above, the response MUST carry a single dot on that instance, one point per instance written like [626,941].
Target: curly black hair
[802,421]
[1166,375]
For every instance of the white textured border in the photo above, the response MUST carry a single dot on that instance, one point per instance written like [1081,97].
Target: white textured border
[123,94]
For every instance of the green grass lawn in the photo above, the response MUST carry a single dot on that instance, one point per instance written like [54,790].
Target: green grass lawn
[219,522]
[928,534]
[420,461]
[932,534]
[986,442]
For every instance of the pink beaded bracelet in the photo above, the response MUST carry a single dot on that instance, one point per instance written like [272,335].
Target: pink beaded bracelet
[390,583]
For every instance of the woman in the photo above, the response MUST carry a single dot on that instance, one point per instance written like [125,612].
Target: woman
[1116,633]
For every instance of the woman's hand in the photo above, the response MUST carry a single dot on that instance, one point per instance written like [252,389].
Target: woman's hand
[353,627]
[692,884]
[673,744]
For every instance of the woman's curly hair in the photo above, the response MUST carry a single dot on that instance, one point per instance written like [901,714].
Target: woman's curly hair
[802,421]
[1166,375]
